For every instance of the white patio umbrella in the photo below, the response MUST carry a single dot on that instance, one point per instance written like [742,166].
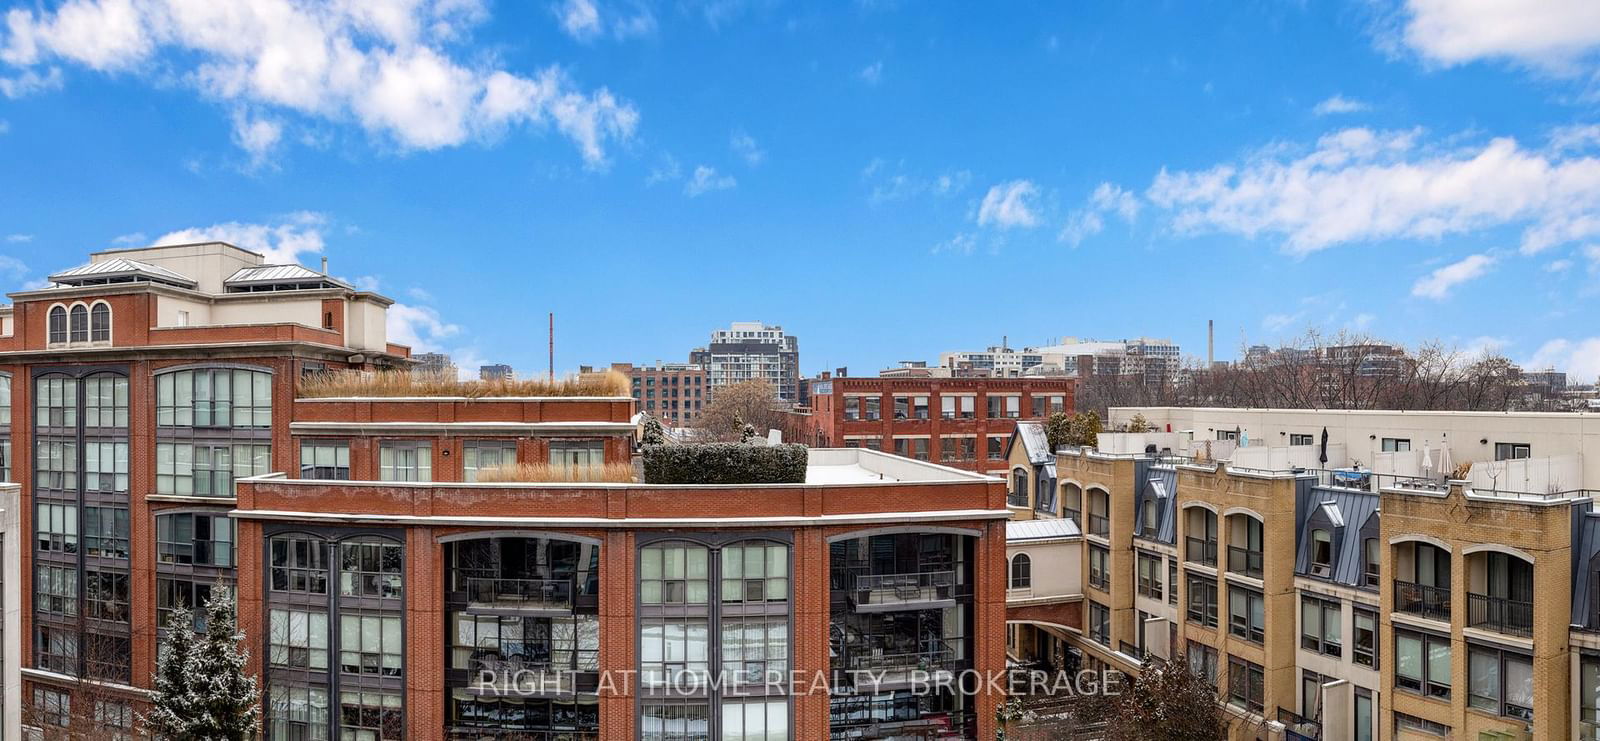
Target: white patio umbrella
[1446,468]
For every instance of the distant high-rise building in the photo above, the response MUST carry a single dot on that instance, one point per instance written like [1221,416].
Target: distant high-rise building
[497,372]
[671,392]
[434,364]
[748,351]
[1155,360]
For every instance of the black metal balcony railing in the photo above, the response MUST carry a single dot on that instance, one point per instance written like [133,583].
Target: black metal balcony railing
[1200,550]
[1298,724]
[1244,561]
[1099,525]
[936,656]
[1422,600]
[1499,614]
[1017,498]
[543,594]
[1072,514]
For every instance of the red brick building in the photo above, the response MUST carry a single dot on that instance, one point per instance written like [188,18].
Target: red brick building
[674,393]
[958,422]
[384,593]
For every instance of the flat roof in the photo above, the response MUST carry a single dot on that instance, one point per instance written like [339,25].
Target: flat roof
[864,466]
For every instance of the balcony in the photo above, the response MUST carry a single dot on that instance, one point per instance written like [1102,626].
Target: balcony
[1099,525]
[1072,514]
[542,595]
[1299,725]
[1016,499]
[885,669]
[1244,561]
[1422,600]
[917,591]
[1200,551]
[1499,614]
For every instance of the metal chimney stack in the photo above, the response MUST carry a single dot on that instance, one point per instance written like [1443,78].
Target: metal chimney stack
[1211,343]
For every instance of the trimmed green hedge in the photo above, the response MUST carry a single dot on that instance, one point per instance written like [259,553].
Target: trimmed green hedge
[725,463]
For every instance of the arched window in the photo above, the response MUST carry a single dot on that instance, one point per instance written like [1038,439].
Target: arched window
[1321,552]
[100,323]
[1021,571]
[1019,488]
[58,324]
[79,324]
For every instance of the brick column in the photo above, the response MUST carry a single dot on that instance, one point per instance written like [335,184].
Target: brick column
[618,678]
[809,591]
[425,634]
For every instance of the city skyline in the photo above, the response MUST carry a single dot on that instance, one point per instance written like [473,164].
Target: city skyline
[479,155]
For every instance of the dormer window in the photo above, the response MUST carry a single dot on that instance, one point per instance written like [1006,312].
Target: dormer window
[1321,552]
[58,324]
[1371,561]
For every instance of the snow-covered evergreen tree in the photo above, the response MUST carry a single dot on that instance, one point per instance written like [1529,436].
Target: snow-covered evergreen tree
[172,701]
[201,692]
[228,706]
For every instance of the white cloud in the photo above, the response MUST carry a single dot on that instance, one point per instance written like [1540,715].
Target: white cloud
[1558,266]
[586,20]
[705,179]
[579,18]
[1553,35]
[665,170]
[1009,205]
[1579,136]
[19,238]
[1278,322]
[963,244]
[30,81]
[746,147]
[1360,185]
[1437,284]
[256,136]
[901,186]
[1339,104]
[281,242]
[1088,221]
[1580,358]
[872,74]
[130,240]
[1478,347]
[387,66]
[12,267]
[418,327]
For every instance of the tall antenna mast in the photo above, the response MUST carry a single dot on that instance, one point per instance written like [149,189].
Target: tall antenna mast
[552,346]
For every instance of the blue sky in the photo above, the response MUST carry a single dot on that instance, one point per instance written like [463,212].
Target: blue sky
[885,179]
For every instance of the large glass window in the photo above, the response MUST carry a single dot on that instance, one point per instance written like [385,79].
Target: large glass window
[298,639]
[56,401]
[57,526]
[479,455]
[297,713]
[371,716]
[214,397]
[1099,623]
[577,454]
[1422,663]
[1500,682]
[370,568]
[1320,622]
[58,324]
[57,465]
[757,720]
[673,574]
[1246,684]
[1246,614]
[755,573]
[674,721]
[325,459]
[1365,650]
[105,401]
[673,652]
[1202,592]
[405,460]
[195,539]
[100,323]
[55,590]
[79,324]
[370,644]
[298,564]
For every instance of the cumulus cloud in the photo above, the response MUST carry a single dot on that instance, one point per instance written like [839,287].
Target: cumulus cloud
[387,66]
[872,74]
[706,179]
[1553,35]
[1088,221]
[586,20]
[1339,104]
[1438,284]
[1279,322]
[746,147]
[280,242]
[898,185]
[19,238]
[256,136]
[1362,185]
[12,268]
[1010,205]
[1580,358]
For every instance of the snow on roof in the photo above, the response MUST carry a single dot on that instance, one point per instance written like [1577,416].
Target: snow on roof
[1046,529]
[1035,442]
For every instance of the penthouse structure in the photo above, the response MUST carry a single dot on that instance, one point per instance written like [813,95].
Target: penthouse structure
[452,566]
[752,351]
[1379,583]
[960,422]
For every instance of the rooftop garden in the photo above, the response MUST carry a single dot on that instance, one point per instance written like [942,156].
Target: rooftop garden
[402,383]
